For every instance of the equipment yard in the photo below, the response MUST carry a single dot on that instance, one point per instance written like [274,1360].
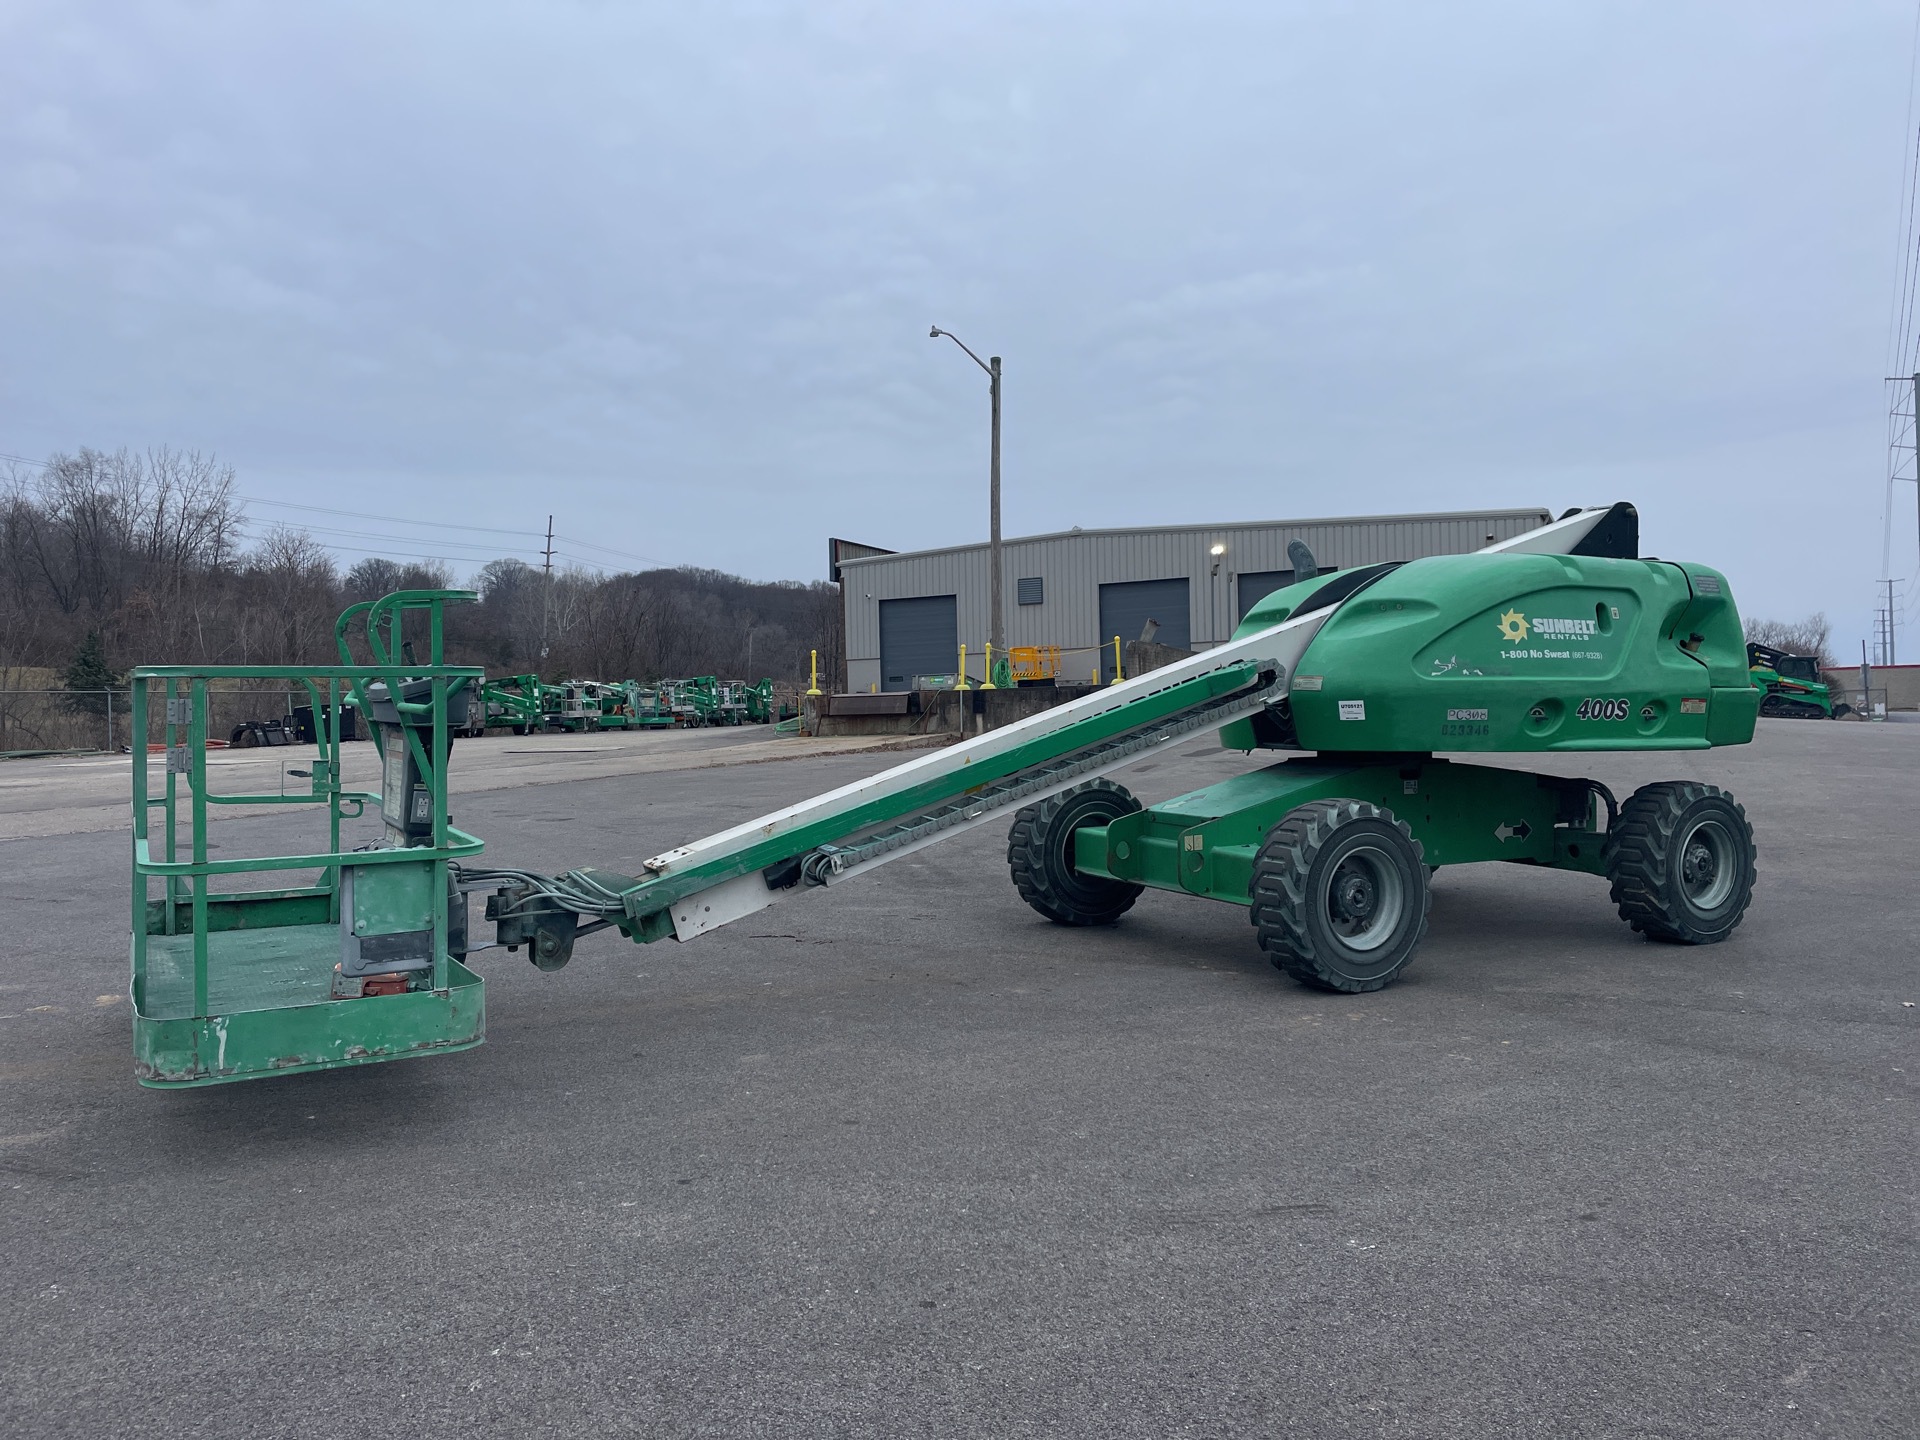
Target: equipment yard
[905,1159]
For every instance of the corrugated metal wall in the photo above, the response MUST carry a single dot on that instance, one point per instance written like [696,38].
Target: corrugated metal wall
[1075,565]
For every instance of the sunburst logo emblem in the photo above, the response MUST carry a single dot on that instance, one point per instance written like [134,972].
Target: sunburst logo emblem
[1513,626]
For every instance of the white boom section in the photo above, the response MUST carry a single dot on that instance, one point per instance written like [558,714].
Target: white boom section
[1278,648]
[1558,538]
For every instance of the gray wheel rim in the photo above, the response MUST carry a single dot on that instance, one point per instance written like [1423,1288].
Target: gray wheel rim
[1709,865]
[1365,898]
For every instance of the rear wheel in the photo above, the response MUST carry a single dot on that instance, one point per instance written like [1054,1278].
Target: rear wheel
[1681,862]
[1040,855]
[1340,895]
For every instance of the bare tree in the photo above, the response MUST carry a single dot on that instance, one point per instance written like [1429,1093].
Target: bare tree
[146,550]
[1811,636]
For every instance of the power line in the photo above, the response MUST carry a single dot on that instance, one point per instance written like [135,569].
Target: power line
[484,547]
[1896,341]
[404,555]
[391,519]
[599,565]
[608,549]
[396,552]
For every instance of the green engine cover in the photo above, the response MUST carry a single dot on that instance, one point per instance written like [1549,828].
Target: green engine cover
[1507,652]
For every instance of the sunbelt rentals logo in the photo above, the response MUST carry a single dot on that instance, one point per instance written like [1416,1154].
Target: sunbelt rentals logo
[1515,627]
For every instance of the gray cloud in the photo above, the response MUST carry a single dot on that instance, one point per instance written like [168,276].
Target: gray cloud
[667,271]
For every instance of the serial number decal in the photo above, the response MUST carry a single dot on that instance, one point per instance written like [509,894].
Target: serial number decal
[1466,714]
[1353,709]
[1465,728]
[1603,710]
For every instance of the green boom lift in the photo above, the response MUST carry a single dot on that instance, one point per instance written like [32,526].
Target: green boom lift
[1560,640]
[513,701]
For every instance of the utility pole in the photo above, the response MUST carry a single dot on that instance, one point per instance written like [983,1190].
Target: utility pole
[1916,461]
[997,621]
[546,596]
[1894,466]
[1889,650]
[997,602]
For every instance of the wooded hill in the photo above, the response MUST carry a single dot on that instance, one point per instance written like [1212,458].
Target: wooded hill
[151,553]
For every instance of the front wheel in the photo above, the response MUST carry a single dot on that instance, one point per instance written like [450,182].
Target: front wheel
[1040,855]
[1340,895]
[1681,862]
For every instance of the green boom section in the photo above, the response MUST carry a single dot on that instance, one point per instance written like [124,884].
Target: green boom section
[647,902]
[1505,653]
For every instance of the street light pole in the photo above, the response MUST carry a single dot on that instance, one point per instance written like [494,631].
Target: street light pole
[996,610]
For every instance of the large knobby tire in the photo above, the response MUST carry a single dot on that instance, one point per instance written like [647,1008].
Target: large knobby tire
[1681,862]
[1040,854]
[1340,895]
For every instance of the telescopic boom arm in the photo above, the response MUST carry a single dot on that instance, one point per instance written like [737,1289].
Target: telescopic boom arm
[829,838]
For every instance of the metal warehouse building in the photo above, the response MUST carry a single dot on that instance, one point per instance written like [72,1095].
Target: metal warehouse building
[908,614]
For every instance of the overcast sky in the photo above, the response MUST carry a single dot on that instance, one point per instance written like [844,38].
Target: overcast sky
[667,271]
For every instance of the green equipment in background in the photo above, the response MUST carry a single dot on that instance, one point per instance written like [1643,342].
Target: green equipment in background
[1790,685]
[693,702]
[645,707]
[1354,682]
[513,702]
[563,706]
[760,702]
[524,704]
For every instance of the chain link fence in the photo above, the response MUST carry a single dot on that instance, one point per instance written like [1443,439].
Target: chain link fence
[39,721]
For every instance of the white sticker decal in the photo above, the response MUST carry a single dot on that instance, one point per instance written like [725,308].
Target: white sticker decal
[1353,709]
[1307,682]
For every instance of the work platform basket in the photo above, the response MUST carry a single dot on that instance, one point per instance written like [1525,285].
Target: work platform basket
[363,962]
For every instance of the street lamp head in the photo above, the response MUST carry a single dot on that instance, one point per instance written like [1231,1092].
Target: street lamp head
[934,333]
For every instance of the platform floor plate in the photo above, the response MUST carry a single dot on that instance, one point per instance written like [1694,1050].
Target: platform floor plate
[266,969]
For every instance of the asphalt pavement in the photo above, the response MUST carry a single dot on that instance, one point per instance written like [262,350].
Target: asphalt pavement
[901,1159]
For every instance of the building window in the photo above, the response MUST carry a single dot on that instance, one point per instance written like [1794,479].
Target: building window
[1033,590]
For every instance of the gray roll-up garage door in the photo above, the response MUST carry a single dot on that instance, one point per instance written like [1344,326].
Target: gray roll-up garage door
[920,636]
[1256,585]
[1126,608]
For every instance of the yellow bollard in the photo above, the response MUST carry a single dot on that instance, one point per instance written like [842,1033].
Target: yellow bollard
[961,682]
[814,687]
[988,684]
[1118,673]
